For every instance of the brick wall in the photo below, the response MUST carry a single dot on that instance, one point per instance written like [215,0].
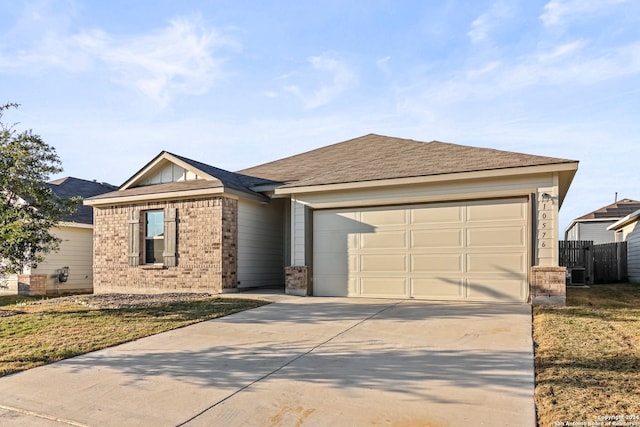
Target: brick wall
[206,249]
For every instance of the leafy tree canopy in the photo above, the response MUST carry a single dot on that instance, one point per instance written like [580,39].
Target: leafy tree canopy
[29,208]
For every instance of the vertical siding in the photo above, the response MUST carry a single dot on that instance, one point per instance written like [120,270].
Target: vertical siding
[633,253]
[260,243]
[298,231]
[76,252]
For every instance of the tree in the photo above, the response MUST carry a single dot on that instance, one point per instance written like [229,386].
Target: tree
[29,209]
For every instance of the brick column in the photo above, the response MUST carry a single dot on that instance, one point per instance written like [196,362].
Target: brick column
[548,285]
[229,249]
[297,280]
[32,284]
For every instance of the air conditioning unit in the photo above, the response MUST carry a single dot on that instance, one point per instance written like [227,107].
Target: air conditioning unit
[578,276]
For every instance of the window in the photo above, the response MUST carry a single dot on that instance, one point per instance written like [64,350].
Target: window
[153,237]
[154,234]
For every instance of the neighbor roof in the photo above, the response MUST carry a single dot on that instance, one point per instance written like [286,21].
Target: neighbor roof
[69,187]
[376,157]
[632,217]
[614,211]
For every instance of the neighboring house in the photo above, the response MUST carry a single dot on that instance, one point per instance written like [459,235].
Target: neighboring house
[70,269]
[374,216]
[628,230]
[594,225]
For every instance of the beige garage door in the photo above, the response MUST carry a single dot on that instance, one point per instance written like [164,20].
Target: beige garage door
[475,251]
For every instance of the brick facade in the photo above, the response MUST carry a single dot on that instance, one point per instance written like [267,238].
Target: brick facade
[548,285]
[206,247]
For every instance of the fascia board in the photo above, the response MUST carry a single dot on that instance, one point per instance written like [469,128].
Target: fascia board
[172,195]
[73,225]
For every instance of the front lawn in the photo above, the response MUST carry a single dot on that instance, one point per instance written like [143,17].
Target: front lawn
[587,358]
[34,333]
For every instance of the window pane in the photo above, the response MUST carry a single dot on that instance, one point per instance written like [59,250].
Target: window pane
[155,224]
[153,251]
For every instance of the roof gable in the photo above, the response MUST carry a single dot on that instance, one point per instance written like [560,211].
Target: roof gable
[170,175]
[376,157]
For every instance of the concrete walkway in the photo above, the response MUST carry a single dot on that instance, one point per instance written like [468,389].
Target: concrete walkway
[300,361]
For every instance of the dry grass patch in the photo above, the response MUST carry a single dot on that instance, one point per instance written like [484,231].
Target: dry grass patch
[587,357]
[41,332]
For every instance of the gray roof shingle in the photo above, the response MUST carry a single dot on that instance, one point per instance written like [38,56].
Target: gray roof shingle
[375,157]
[614,211]
[68,187]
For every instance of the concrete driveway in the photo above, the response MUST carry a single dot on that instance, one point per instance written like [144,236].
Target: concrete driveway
[300,361]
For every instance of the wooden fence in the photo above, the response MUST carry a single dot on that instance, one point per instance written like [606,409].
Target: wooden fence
[603,263]
[610,262]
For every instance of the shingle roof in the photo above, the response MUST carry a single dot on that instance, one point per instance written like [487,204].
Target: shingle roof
[68,187]
[614,211]
[374,157]
[228,179]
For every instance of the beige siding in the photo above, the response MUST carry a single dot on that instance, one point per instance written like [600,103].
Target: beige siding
[76,252]
[465,250]
[260,243]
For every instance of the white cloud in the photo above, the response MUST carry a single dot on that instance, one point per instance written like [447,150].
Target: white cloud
[566,65]
[181,59]
[556,12]
[485,23]
[327,79]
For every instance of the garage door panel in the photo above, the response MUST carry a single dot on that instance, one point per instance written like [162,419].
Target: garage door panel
[497,263]
[384,240]
[492,289]
[384,286]
[499,210]
[333,285]
[388,263]
[490,237]
[328,241]
[434,263]
[383,217]
[449,238]
[334,262]
[433,215]
[438,288]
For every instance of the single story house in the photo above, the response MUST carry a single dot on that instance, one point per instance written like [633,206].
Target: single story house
[374,216]
[70,269]
[627,230]
[594,226]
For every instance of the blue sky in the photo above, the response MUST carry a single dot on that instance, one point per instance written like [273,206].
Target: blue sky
[239,83]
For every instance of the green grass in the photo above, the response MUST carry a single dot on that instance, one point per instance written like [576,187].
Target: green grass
[45,333]
[588,356]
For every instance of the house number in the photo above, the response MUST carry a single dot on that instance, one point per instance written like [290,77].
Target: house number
[545,228]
